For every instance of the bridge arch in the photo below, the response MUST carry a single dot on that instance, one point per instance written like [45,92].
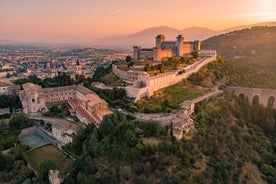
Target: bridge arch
[255,100]
[265,97]
[271,102]
[242,96]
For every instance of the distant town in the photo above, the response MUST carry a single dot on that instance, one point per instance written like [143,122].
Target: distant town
[21,61]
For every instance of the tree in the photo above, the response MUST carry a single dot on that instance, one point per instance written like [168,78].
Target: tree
[125,172]
[128,58]
[106,127]
[19,121]
[44,168]
[194,54]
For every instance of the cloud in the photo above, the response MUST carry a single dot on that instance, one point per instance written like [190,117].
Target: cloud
[181,1]
[115,12]
[264,14]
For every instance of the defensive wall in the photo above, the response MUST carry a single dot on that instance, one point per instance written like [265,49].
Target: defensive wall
[155,83]
[263,95]
[119,73]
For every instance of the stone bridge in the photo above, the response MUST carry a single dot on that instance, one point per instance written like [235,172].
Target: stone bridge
[264,96]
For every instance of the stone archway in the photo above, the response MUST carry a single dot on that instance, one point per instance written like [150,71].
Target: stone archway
[256,100]
[271,102]
[242,96]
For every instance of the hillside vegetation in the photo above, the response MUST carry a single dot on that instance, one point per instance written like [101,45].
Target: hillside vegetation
[233,143]
[254,47]
[218,72]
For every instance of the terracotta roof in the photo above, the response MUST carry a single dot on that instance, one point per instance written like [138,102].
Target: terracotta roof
[93,99]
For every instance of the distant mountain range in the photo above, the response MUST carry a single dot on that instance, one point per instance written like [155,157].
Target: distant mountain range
[146,37]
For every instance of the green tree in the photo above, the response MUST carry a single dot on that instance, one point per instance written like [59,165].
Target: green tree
[128,58]
[125,172]
[194,54]
[19,121]
[106,127]
[44,168]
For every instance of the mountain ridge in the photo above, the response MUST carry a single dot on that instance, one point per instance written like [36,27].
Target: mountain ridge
[146,36]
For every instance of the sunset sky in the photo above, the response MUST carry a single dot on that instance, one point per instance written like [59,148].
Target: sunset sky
[76,20]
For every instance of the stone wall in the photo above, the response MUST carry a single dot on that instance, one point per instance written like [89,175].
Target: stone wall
[158,82]
[119,73]
[187,47]
[58,94]
[136,93]
[162,53]
[146,54]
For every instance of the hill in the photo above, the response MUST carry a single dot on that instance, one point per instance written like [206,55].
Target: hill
[255,47]
[233,143]
[146,37]
[240,27]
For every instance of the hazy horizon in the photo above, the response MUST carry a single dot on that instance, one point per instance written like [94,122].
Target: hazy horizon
[84,20]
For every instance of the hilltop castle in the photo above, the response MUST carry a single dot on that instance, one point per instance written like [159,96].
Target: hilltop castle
[166,49]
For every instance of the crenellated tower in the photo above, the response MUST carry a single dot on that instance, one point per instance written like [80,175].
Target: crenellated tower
[159,40]
[179,45]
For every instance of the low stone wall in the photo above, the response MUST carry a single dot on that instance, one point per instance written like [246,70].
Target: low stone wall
[119,73]
[136,93]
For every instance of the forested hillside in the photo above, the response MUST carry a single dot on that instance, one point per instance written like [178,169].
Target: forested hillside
[255,46]
[233,143]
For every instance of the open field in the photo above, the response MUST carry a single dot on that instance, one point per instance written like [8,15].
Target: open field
[171,97]
[49,152]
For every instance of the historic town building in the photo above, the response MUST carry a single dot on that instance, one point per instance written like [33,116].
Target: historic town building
[85,104]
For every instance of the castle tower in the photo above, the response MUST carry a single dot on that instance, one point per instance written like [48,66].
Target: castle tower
[159,40]
[179,45]
[197,45]
[136,50]
[78,68]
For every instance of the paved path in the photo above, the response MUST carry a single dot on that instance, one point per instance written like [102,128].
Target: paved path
[166,118]
[216,92]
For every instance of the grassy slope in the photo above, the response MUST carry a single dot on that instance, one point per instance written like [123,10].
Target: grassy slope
[36,156]
[175,95]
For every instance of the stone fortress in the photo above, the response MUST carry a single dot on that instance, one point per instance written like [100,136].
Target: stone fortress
[144,85]
[165,49]
[84,103]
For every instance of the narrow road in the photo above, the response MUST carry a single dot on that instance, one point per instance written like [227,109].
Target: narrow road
[166,118]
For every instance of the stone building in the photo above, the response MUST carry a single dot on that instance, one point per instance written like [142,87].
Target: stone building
[64,132]
[181,124]
[8,88]
[78,68]
[90,108]
[165,49]
[87,106]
